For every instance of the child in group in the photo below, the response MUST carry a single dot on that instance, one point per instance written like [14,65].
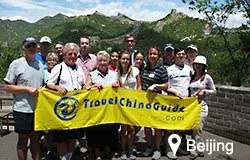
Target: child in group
[129,78]
[201,85]
[114,61]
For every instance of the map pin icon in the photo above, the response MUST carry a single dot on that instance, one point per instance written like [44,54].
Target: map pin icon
[174,145]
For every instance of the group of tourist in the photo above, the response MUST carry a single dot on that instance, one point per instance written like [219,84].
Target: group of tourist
[172,71]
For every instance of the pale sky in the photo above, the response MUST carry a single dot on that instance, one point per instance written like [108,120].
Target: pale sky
[146,10]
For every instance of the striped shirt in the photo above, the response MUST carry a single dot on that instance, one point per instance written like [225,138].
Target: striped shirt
[157,75]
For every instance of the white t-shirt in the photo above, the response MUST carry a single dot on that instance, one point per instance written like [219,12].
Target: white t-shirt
[179,78]
[22,72]
[71,79]
[106,80]
[207,84]
[131,82]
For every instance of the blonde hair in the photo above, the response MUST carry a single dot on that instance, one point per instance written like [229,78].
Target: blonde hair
[53,56]
[103,53]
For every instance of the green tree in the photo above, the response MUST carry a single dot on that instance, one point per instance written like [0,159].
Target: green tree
[6,57]
[237,50]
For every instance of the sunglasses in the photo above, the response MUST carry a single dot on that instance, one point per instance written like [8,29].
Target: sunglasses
[31,45]
[130,40]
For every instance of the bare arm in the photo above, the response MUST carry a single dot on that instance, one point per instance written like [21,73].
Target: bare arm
[174,92]
[19,89]
[158,86]
[88,83]
[58,88]
[138,80]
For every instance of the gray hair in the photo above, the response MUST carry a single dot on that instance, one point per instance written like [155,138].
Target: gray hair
[70,45]
[103,53]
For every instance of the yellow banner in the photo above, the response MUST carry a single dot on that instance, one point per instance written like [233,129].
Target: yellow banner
[83,108]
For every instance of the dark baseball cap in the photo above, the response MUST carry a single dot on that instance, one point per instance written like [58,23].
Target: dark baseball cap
[29,40]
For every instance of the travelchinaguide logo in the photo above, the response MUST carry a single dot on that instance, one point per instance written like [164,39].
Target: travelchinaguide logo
[65,108]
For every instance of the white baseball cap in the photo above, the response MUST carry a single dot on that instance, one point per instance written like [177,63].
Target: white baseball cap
[45,39]
[200,60]
[192,46]
[168,46]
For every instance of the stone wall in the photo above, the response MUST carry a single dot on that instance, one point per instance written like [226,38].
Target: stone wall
[3,93]
[229,113]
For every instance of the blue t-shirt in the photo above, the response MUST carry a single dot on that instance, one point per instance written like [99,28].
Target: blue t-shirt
[42,59]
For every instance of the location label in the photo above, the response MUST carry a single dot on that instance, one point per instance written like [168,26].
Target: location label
[174,145]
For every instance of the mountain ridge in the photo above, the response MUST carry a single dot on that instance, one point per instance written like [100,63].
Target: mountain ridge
[69,28]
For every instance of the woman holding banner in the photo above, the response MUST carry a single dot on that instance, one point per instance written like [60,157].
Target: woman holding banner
[67,76]
[129,78]
[201,84]
[102,136]
[154,79]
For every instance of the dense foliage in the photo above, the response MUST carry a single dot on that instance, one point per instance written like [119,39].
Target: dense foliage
[236,54]
[6,57]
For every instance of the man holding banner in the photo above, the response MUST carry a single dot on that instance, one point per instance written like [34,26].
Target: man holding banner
[66,76]
[24,77]
[179,77]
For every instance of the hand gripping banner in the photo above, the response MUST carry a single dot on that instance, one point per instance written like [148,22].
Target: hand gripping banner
[82,108]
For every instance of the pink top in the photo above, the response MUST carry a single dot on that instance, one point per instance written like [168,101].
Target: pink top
[112,68]
[88,63]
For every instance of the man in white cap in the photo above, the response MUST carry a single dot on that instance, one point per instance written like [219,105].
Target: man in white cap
[192,52]
[45,43]
[168,54]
